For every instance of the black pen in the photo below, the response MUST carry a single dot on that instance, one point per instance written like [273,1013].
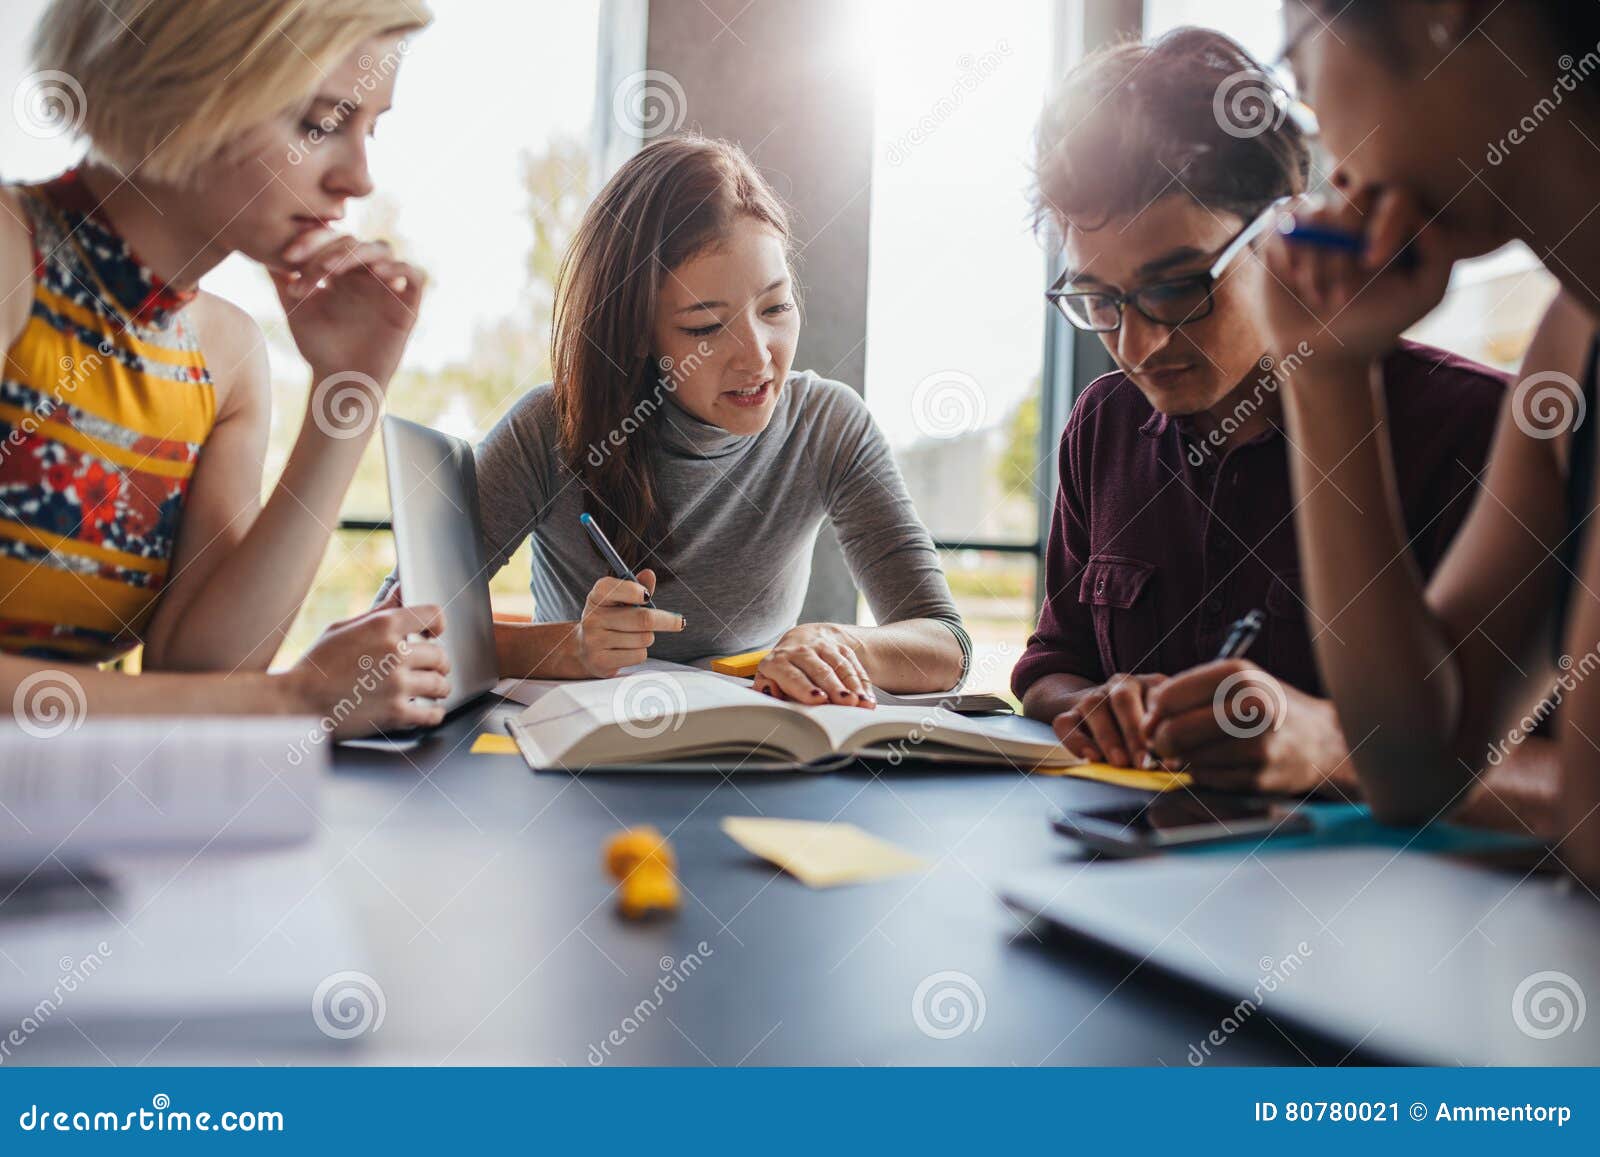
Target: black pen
[1241,637]
[619,569]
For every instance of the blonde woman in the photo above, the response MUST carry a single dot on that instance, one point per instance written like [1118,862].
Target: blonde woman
[134,407]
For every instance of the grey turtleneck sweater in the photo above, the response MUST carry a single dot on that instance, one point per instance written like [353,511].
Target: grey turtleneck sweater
[744,508]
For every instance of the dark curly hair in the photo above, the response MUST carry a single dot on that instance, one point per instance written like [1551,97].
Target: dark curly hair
[1190,113]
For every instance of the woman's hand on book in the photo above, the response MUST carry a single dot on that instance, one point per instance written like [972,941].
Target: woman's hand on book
[816,663]
[617,629]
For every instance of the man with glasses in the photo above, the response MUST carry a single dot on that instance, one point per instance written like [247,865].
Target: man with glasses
[1174,518]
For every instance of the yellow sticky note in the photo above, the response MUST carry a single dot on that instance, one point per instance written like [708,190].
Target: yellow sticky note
[821,855]
[491,744]
[743,666]
[1134,777]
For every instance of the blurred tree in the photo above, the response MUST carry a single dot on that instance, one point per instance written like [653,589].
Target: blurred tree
[1018,463]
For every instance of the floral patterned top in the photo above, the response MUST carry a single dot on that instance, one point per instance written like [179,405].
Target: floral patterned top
[105,402]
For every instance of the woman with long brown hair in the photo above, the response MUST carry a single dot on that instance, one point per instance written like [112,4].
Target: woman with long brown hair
[676,422]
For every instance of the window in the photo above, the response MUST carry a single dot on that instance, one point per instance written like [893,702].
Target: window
[956,318]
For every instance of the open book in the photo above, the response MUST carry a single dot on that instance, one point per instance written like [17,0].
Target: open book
[666,716]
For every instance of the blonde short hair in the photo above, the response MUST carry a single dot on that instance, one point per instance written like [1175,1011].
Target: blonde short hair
[169,84]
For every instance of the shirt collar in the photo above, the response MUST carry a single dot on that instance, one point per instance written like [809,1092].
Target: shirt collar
[136,292]
[681,434]
[1188,429]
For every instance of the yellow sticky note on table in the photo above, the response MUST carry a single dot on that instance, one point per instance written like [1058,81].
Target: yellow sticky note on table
[491,744]
[821,855]
[742,666]
[1134,777]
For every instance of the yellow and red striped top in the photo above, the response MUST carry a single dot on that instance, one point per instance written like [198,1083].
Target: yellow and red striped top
[105,402]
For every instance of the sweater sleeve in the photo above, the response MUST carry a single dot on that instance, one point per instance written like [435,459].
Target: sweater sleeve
[888,551]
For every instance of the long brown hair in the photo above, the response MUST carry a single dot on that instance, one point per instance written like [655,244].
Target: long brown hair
[666,204]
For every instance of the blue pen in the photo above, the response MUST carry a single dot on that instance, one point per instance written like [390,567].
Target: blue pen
[1278,215]
[1340,241]
[619,569]
[1321,237]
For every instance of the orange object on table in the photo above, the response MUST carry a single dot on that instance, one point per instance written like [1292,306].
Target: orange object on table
[740,666]
[642,862]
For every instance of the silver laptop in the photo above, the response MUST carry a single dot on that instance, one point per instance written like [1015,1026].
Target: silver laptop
[438,539]
[1414,956]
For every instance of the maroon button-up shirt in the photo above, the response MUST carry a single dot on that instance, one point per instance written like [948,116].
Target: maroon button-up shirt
[1160,540]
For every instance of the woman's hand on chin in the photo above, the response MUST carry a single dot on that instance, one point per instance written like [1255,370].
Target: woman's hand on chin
[351,305]
[816,663]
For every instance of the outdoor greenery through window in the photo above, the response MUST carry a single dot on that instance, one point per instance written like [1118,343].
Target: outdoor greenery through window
[490,229]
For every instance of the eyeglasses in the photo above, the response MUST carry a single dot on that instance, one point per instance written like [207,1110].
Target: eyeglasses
[1169,303]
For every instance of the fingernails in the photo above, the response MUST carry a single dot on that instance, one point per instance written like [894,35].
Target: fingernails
[815,694]
[683,623]
[1118,757]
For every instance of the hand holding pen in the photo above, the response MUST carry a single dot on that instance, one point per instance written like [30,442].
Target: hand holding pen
[1240,638]
[620,619]
[1348,275]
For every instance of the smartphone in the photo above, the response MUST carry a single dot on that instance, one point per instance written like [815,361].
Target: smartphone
[1180,819]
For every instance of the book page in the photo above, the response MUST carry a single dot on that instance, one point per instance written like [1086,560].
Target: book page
[657,712]
[1000,739]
